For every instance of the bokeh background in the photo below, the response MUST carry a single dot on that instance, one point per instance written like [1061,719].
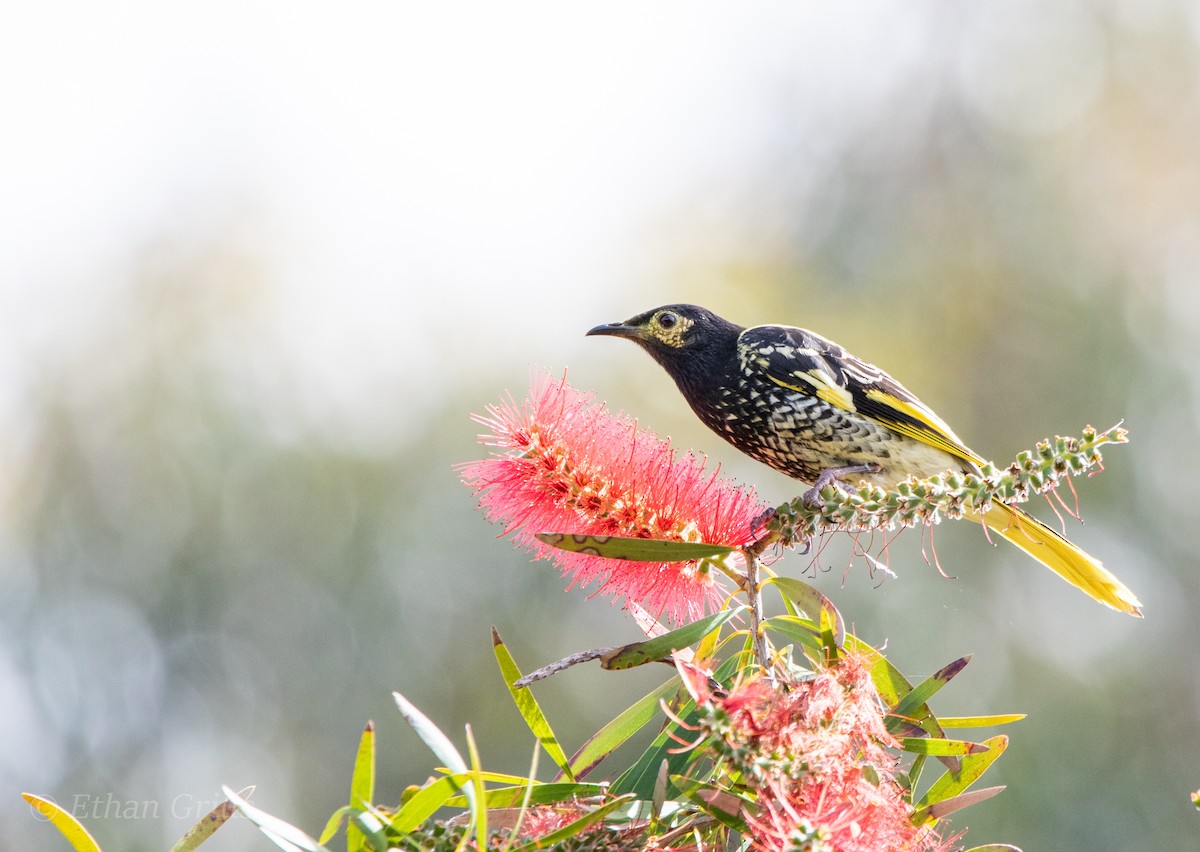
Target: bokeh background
[260,262]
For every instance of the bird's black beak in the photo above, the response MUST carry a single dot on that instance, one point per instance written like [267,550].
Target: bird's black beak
[616,329]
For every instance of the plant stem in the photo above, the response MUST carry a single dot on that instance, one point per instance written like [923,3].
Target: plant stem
[754,599]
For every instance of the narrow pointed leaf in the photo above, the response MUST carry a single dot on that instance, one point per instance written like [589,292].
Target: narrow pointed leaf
[650,650]
[956,803]
[633,549]
[940,747]
[914,773]
[362,786]
[980,721]
[478,811]
[954,783]
[926,689]
[627,723]
[433,737]
[528,707]
[994,847]
[334,823]
[205,828]
[68,826]
[284,835]
[538,794]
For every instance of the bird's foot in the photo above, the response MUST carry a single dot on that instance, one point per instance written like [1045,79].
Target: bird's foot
[762,520]
[833,476]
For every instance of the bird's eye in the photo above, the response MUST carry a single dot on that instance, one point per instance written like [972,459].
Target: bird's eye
[667,319]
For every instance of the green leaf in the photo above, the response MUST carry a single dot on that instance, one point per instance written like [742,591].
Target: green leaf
[370,825]
[362,786]
[438,742]
[334,823]
[432,736]
[208,824]
[913,704]
[799,630]
[627,723]
[819,609]
[539,794]
[994,847]
[422,804]
[953,783]
[640,778]
[980,721]
[650,650]
[528,707]
[478,811]
[633,549]
[914,774]
[889,682]
[811,601]
[940,747]
[68,826]
[284,835]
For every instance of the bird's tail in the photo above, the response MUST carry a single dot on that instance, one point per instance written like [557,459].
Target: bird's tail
[1060,556]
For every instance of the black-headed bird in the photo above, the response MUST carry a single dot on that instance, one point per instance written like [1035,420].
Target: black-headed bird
[808,408]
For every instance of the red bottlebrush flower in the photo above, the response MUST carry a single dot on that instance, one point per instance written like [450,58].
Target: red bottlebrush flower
[817,756]
[567,465]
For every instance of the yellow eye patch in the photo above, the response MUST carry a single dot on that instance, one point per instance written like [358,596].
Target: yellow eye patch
[673,336]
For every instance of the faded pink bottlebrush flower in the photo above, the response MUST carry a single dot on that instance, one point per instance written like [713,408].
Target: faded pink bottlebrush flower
[566,465]
[541,820]
[817,757]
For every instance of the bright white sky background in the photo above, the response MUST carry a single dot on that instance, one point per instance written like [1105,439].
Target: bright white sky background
[411,170]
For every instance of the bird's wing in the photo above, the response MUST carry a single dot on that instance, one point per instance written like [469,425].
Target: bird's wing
[807,363]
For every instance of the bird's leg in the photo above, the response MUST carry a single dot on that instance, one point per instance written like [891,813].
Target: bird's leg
[833,476]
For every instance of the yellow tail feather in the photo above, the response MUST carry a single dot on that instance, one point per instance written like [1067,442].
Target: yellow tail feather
[1060,556]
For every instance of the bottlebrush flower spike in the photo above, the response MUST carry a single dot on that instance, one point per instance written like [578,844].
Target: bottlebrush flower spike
[567,465]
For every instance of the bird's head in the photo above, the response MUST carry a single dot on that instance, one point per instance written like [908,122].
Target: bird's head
[684,339]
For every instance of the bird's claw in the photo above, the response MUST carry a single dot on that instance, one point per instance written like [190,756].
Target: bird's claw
[833,476]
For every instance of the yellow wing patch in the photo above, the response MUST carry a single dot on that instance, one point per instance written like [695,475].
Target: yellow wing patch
[932,429]
[818,382]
